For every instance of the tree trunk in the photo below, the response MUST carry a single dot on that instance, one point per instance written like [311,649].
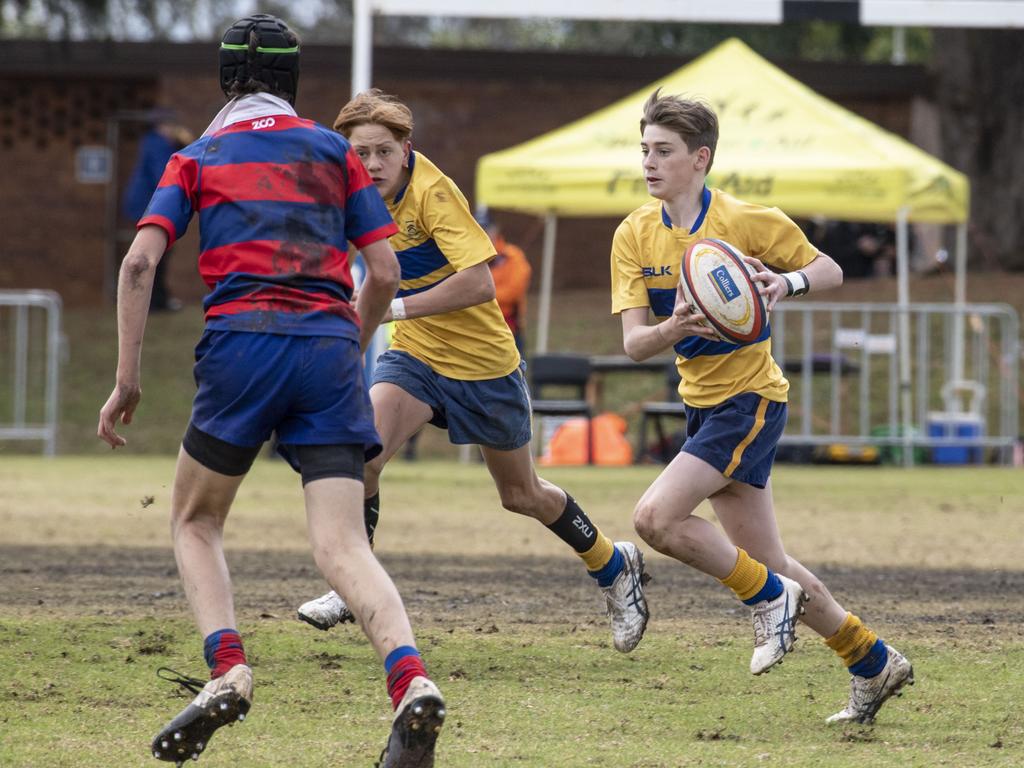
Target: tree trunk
[979,85]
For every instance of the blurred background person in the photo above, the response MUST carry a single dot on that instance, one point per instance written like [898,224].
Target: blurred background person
[862,249]
[511,274]
[164,136]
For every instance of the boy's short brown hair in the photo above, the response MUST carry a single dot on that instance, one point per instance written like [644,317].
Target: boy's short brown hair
[375,106]
[694,121]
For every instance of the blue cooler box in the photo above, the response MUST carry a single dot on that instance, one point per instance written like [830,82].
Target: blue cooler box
[950,425]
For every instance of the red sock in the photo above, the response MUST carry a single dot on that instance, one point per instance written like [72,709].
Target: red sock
[223,650]
[401,674]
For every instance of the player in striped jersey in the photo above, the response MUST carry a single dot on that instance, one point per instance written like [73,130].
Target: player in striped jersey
[735,397]
[453,361]
[279,199]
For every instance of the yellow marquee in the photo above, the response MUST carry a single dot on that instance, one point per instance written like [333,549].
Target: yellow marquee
[780,144]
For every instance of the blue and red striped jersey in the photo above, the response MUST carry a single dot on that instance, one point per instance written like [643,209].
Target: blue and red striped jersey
[279,199]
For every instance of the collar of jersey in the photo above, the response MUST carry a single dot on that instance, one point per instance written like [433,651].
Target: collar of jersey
[250,107]
[412,164]
[705,203]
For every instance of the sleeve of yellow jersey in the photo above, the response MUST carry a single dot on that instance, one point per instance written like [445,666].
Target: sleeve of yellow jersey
[628,288]
[776,240]
[449,222]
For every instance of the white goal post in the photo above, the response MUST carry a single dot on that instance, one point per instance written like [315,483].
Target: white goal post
[883,13]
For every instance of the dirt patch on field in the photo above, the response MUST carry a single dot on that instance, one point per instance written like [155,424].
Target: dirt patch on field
[481,592]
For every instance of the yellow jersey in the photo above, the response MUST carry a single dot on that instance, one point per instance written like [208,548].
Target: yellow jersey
[437,237]
[647,252]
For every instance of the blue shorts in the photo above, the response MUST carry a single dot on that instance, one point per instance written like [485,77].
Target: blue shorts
[494,413]
[309,389]
[737,437]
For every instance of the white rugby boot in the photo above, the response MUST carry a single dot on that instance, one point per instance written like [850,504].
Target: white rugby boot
[775,625]
[325,611]
[414,730]
[625,599]
[222,701]
[868,694]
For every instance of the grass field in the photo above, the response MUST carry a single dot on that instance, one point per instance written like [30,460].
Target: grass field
[510,625]
[90,603]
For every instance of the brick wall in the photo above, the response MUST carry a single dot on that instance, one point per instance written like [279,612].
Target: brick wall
[55,98]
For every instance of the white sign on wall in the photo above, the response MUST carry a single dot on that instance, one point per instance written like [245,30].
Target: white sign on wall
[92,165]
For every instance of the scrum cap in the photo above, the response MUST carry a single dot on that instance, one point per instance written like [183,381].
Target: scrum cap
[272,58]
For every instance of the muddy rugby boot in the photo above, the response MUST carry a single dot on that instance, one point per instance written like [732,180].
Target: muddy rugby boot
[325,611]
[414,731]
[868,694]
[775,626]
[625,599]
[221,701]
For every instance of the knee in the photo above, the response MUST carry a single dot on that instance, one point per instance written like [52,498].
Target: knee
[327,555]
[647,521]
[667,530]
[195,520]
[521,499]
[340,548]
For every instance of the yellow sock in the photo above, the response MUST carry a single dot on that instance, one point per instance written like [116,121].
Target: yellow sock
[597,556]
[852,641]
[748,576]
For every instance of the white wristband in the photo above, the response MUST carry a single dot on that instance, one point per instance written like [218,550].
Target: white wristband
[398,309]
[796,282]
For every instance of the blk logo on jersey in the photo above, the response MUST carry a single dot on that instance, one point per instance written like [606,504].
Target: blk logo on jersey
[657,272]
[723,282]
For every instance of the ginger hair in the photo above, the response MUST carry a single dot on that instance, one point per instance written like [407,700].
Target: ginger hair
[379,108]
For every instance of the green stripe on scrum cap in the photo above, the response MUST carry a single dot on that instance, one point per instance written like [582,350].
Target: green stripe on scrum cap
[260,49]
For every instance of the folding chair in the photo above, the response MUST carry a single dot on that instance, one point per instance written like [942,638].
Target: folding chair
[653,413]
[565,371]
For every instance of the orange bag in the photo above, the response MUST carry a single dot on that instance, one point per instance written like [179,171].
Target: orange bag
[568,445]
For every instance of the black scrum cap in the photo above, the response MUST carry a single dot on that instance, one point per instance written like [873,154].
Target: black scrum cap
[260,47]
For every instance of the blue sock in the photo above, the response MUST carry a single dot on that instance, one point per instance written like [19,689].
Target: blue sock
[605,576]
[397,655]
[772,588]
[873,663]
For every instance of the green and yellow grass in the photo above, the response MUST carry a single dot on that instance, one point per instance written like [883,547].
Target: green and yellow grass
[79,688]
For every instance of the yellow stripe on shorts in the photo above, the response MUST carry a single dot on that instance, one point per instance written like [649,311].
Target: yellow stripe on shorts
[737,454]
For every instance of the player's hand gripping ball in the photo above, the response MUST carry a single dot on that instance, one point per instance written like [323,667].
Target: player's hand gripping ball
[717,282]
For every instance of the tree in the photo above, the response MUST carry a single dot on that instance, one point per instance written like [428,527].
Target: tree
[978,84]
[979,88]
[52,18]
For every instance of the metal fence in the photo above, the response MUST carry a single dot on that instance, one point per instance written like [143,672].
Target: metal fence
[30,340]
[948,394]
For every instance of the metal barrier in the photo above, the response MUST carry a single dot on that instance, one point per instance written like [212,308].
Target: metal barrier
[949,396]
[30,335]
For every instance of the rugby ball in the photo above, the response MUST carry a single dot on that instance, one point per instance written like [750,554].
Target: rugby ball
[716,281]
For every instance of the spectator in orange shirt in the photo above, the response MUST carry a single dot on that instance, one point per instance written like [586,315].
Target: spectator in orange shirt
[511,273]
